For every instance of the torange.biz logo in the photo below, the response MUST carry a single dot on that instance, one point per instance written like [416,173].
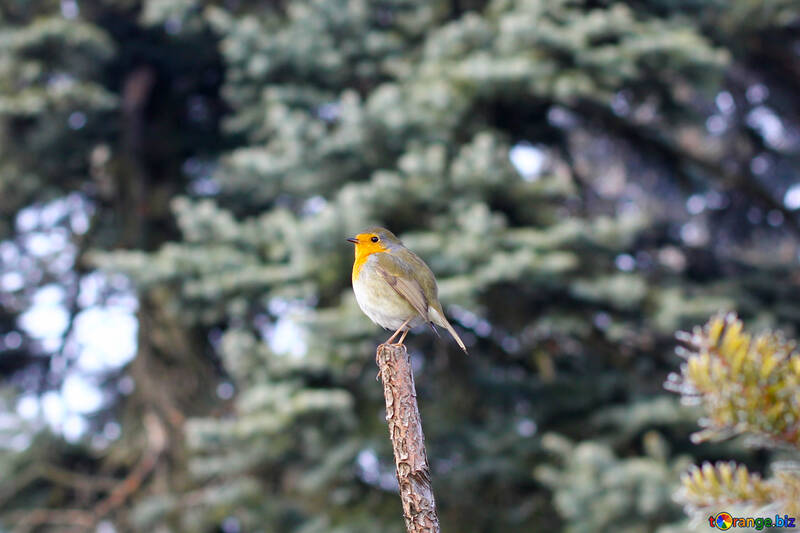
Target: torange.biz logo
[725,521]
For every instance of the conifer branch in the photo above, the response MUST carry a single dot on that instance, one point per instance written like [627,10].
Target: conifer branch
[747,385]
[408,440]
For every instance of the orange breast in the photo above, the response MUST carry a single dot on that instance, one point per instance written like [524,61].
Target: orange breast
[361,259]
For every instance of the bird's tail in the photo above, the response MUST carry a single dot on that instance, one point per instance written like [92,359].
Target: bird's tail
[438,318]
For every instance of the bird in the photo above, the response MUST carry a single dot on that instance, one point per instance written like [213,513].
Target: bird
[394,287]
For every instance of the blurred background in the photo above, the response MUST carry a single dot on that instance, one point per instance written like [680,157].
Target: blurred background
[180,348]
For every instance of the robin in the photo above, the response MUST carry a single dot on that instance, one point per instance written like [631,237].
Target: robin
[394,287]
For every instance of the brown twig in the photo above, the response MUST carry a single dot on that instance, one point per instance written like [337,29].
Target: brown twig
[56,475]
[28,519]
[408,441]
[156,444]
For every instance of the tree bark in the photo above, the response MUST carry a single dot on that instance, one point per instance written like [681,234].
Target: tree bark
[408,441]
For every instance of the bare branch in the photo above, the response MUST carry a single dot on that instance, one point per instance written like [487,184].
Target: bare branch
[156,444]
[30,518]
[408,441]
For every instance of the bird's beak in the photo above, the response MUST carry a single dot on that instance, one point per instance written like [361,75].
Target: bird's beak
[353,240]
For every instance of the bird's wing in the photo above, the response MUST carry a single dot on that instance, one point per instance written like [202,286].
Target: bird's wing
[409,289]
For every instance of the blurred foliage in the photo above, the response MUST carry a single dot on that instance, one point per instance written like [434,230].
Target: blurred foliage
[597,491]
[584,178]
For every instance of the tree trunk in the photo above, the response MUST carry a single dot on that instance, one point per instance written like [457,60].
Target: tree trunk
[408,441]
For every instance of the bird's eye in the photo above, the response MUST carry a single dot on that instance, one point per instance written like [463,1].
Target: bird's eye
[374,239]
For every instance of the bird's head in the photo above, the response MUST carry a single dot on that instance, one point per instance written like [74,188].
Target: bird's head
[374,240]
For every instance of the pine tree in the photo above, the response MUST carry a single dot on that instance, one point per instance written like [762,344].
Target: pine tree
[584,178]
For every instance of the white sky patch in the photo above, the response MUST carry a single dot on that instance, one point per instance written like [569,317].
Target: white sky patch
[769,126]
[226,390]
[91,286]
[694,234]
[372,472]
[278,306]
[288,337]
[79,222]
[526,427]
[80,395]
[53,408]
[7,421]
[528,160]
[49,295]
[52,212]
[695,204]
[716,124]
[625,262]
[105,527]
[74,427]
[725,102]
[105,329]
[106,336]
[314,205]
[112,430]
[69,9]
[330,111]
[369,465]
[27,219]
[13,340]
[47,318]
[76,120]
[759,164]
[205,186]
[757,93]
[41,244]
[12,281]
[9,253]
[792,197]
[28,406]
